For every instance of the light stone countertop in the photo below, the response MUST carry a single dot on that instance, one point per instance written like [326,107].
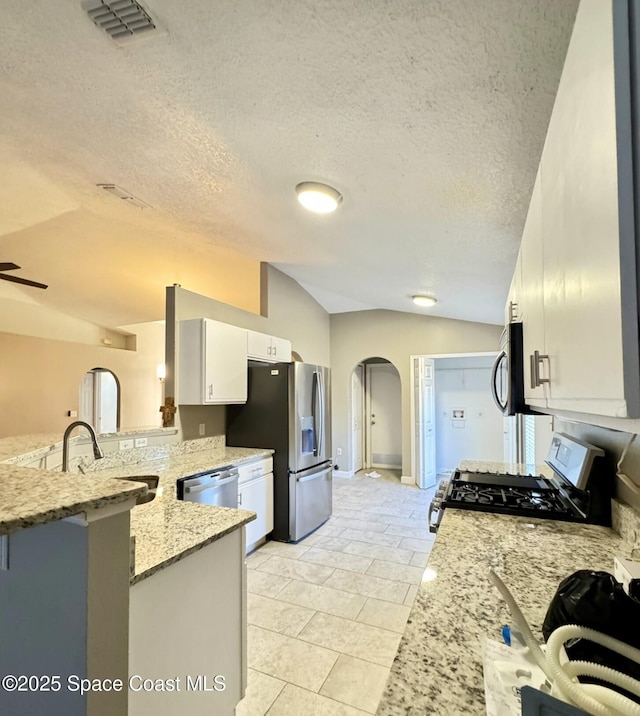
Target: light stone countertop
[167,529]
[438,667]
[35,497]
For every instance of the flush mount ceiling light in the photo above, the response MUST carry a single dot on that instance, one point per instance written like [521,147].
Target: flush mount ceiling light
[425,301]
[319,198]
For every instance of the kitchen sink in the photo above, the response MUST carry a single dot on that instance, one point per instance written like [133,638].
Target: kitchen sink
[151,482]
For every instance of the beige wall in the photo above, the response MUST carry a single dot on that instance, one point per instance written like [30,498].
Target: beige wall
[291,313]
[396,337]
[40,380]
[34,319]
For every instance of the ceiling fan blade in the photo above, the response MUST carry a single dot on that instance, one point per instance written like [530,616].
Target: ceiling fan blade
[8,267]
[24,281]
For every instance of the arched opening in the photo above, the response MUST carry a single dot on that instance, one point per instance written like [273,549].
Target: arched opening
[99,403]
[376,416]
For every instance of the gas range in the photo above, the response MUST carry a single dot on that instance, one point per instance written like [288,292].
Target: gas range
[507,495]
[575,492]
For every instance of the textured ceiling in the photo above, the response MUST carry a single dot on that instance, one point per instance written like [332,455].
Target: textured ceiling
[429,116]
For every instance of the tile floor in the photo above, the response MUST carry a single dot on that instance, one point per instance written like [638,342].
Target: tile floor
[326,615]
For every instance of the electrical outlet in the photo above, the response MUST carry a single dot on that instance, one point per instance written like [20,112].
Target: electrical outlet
[339,452]
[201,429]
[125,444]
[141,442]
[72,413]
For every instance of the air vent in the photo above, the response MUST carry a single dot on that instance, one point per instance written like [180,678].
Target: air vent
[125,195]
[122,20]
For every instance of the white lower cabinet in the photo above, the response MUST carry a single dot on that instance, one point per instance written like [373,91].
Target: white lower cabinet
[188,622]
[257,495]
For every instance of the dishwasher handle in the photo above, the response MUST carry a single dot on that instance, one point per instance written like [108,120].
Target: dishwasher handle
[218,479]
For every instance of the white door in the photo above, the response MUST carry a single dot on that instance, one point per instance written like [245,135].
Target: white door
[87,399]
[385,416]
[106,420]
[357,406]
[425,426]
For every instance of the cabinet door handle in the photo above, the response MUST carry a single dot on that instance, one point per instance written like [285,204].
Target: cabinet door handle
[210,390]
[536,360]
[533,369]
[4,552]
[239,498]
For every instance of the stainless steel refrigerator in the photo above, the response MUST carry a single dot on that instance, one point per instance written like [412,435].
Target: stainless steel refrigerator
[288,410]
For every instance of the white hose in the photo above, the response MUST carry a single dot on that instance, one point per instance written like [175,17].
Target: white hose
[573,689]
[597,700]
[588,668]
[522,624]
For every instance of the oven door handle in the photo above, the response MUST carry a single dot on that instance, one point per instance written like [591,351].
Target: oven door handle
[434,524]
[494,378]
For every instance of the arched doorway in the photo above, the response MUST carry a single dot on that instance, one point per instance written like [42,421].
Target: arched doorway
[376,415]
[99,403]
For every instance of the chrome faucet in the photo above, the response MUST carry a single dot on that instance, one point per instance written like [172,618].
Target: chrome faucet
[97,452]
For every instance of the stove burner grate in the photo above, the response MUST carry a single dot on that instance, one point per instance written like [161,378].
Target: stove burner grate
[496,498]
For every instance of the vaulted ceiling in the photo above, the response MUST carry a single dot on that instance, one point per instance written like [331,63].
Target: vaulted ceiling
[428,115]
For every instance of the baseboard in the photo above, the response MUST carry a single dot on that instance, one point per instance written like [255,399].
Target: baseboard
[407,480]
[343,473]
[380,466]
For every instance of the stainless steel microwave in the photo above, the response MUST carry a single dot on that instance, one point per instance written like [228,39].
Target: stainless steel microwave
[507,376]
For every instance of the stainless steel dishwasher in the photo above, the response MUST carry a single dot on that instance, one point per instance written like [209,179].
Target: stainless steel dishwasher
[219,487]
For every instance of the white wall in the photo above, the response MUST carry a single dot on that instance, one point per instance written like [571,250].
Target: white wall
[396,337]
[463,383]
[289,312]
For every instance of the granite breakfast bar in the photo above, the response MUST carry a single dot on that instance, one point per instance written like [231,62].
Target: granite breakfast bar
[187,557]
[438,666]
[64,547]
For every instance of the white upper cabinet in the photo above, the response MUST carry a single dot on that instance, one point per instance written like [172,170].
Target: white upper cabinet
[212,363]
[531,301]
[579,283]
[512,310]
[268,348]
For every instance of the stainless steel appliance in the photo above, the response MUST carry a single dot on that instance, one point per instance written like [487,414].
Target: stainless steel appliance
[507,376]
[578,491]
[288,410]
[219,487]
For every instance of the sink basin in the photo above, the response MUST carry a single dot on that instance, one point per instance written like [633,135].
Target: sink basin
[152,483]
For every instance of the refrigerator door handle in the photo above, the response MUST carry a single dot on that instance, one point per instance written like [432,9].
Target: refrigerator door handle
[314,399]
[321,450]
[315,476]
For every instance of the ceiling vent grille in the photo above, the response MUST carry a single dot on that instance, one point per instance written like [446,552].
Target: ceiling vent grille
[122,20]
[121,193]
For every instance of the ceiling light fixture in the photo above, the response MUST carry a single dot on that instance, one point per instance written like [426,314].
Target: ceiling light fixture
[319,198]
[425,301]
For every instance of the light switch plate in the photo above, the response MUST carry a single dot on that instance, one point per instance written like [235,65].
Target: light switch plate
[125,444]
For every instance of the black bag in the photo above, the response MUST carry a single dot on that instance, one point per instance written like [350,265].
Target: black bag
[596,600]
